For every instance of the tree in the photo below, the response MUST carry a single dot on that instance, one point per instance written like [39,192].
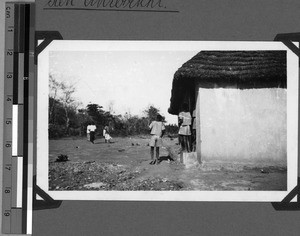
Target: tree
[95,112]
[83,119]
[54,87]
[68,101]
[58,113]
[61,98]
[100,117]
[151,113]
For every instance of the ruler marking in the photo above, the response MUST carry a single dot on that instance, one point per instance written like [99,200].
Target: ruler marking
[16,26]
[19,181]
[21,78]
[16,55]
[14,179]
[29,198]
[22,168]
[15,77]
[15,130]
[27,171]
[17,164]
[19,116]
[20,149]
[7,170]
[31,109]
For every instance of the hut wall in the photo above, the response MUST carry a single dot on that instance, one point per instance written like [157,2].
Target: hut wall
[244,125]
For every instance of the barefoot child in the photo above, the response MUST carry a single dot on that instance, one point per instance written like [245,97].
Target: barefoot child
[157,130]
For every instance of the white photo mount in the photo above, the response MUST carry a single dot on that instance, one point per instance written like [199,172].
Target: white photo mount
[173,196]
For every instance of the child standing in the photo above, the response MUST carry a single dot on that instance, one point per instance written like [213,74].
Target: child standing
[88,132]
[92,129]
[106,135]
[157,130]
[185,120]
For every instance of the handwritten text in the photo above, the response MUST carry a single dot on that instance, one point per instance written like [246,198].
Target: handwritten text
[157,5]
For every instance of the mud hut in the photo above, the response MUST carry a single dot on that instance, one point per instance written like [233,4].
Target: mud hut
[240,102]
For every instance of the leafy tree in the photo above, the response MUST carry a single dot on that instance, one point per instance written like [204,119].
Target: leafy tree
[62,105]
[66,119]
[58,113]
[96,113]
[100,117]
[151,113]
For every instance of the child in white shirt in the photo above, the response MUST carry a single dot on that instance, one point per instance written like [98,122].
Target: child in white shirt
[157,129]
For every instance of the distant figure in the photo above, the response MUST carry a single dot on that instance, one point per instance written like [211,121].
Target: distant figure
[92,129]
[88,132]
[106,135]
[157,130]
[185,120]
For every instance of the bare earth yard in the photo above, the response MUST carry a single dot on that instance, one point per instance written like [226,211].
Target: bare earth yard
[124,165]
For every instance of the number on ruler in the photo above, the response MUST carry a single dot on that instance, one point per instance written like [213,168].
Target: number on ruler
[6,213]
[7,12]
[9,52]
[9,75]
[8,145]
[8,167]
[10,29]
[7,190]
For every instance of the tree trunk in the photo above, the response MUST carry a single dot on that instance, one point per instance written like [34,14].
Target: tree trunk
[67,120]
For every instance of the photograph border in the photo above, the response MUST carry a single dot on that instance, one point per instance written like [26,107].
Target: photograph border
[116,45]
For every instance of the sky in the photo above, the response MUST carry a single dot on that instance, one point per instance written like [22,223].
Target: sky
[126,81]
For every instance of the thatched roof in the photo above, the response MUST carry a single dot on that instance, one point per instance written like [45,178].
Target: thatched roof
[241,69]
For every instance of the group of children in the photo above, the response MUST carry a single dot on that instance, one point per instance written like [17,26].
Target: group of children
[157,130]
[186,138]
[90,131]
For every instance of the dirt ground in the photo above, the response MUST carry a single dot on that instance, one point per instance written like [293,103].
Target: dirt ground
[124,165]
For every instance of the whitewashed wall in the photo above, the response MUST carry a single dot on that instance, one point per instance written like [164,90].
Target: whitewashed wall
[244,125]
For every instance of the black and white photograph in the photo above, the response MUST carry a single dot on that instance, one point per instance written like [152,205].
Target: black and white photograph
[167,120]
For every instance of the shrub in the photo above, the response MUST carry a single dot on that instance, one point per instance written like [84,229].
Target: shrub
[56,131]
